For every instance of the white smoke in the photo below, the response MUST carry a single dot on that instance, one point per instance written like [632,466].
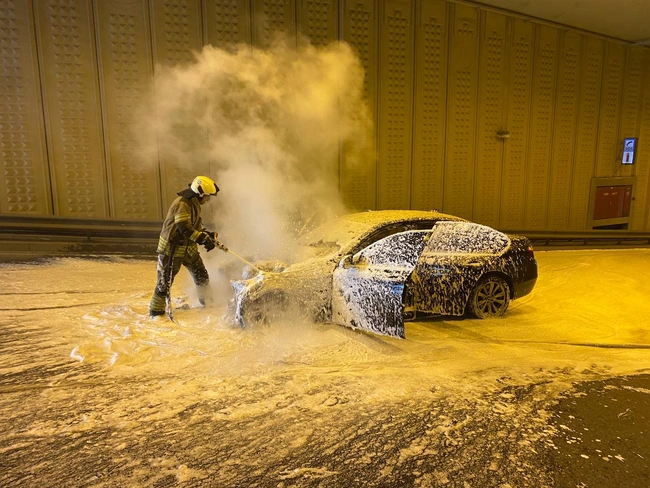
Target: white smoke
[269,125]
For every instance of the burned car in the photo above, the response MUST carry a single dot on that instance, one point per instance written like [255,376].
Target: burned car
[373,270]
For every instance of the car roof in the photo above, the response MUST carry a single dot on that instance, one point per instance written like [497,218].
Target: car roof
[375,217]
[345,228]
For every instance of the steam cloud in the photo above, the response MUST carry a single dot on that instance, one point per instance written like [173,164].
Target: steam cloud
[269,125]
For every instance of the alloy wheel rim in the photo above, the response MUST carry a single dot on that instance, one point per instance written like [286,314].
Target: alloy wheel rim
[491,298]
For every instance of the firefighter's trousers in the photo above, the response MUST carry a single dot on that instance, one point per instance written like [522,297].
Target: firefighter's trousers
[194,265]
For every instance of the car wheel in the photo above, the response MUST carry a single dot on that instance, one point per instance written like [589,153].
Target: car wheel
[490,298]
[265,310]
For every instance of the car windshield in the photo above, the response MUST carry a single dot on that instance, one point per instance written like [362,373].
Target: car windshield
[331,237]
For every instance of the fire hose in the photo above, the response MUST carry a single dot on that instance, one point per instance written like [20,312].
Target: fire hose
[221,246]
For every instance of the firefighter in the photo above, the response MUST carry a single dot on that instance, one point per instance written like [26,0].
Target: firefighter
[182,232]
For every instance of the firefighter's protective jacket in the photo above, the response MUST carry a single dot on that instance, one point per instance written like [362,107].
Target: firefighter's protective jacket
[182,212]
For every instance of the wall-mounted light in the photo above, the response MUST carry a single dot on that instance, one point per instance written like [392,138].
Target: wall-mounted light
[503,135]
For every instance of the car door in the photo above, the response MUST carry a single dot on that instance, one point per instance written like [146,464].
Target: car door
[368,287]
[455,257]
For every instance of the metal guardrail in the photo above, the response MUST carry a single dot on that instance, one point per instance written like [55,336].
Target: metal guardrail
[596,239]
[25,238]
[72,227]
[105,232]
[50,219]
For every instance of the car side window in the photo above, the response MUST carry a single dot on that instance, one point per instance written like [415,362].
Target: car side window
[401,249]
[466,238]
[391,230]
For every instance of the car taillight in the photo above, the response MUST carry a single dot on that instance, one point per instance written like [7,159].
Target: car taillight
[531,251]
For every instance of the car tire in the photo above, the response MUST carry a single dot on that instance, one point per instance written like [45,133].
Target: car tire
[490,298]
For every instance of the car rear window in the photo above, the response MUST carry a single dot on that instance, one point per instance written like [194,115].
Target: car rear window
[466,238]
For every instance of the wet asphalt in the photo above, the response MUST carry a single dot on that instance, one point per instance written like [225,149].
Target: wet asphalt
[336,409]
[65,427]
[604,434]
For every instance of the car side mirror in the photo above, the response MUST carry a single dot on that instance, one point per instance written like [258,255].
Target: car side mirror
[359,260]
[346,262]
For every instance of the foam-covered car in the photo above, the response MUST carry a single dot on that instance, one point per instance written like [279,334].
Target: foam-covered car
[373,270]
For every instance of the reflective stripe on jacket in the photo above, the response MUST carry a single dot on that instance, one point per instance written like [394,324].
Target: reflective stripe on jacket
[182,210]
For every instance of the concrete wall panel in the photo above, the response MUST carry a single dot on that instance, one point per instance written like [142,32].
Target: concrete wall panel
[630,106]
[564,136]
[176,30]
[272,17]
[395,104]
[493,76]
[126,75]
[227,22]
[541,129]
[359,174]
[516,154]
[318,21]
[587,132]
[24,184]
[430,105]
[177,36]
[461,111]
[72,108]
[610,109]
[641,212]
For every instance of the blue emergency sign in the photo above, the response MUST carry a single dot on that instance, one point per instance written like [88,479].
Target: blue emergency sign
[629,147]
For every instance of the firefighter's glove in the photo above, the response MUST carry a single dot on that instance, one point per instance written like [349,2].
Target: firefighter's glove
[213,235]
[205,239]
[221,246]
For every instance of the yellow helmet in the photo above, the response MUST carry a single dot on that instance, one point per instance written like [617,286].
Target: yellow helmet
[202,185]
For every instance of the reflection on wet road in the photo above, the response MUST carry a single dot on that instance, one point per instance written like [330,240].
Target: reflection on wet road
[94,393]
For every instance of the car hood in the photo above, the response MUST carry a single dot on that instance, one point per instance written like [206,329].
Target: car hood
[307,284]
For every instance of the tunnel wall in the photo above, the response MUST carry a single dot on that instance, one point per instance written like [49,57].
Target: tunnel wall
[442,78]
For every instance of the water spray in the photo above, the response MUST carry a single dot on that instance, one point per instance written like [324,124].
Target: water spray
[247,262]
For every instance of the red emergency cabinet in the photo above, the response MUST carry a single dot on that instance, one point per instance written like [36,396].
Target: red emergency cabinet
[612,202]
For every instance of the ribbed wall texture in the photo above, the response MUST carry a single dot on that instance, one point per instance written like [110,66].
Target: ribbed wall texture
[442,79]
